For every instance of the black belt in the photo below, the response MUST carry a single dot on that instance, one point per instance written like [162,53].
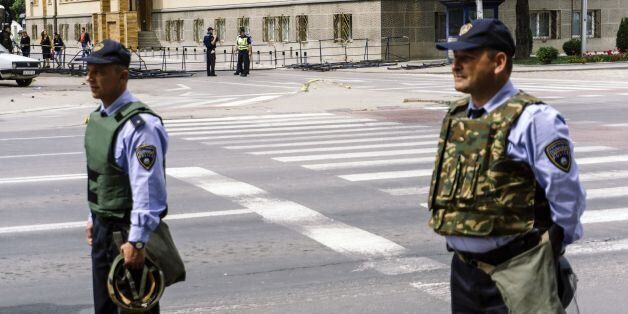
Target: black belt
[505,252]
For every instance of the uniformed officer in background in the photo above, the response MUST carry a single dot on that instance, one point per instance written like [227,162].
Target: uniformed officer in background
[210,43]
[505,189]
[243,43]
[125,143]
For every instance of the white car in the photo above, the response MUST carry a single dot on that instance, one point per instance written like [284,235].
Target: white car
[18,68]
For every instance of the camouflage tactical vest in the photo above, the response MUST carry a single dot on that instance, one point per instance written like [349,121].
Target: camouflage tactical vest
[477,190]
[108,187]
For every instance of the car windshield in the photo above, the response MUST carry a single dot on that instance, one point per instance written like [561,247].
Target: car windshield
[3,50]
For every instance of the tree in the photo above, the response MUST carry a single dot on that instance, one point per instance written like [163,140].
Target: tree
[522,33]
[18,7]
[622,35]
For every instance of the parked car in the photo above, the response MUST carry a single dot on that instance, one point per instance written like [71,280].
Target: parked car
[18,68]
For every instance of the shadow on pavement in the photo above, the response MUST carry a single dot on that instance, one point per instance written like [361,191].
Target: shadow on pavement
[46,308]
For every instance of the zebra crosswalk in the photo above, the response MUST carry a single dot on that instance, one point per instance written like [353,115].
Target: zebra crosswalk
[392,157]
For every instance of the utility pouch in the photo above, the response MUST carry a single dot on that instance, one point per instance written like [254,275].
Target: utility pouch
[527,282]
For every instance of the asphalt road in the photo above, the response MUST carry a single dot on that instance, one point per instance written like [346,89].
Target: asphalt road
[286,201]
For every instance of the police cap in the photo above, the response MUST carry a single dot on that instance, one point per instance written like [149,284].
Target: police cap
[109,52]
[484,33]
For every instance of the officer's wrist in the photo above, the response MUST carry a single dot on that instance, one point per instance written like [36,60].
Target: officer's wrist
[138,245]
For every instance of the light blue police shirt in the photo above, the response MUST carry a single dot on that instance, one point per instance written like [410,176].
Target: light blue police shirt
[148,187]
[538,126]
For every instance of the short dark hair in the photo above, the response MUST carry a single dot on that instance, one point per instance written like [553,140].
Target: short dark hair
[492,53]
[242,30]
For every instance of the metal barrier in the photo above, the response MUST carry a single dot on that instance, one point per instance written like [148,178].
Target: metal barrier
[323,54]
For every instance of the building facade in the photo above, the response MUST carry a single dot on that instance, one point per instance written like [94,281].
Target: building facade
[396,27]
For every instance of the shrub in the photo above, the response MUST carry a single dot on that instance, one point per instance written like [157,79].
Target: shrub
[622,35]
[572,47]
[547,54]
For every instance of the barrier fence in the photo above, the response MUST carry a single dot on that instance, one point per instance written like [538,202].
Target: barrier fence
[317,55]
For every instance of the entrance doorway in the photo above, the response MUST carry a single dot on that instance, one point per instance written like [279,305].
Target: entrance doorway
[144,14]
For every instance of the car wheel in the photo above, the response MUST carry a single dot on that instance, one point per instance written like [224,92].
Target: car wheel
[24,83]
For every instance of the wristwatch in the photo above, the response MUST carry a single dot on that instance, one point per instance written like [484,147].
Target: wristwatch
[138,245]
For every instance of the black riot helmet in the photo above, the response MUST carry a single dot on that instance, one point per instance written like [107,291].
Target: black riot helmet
[135,291]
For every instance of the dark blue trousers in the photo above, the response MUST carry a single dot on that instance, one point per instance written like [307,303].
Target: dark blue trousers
[104,252]
[243,62]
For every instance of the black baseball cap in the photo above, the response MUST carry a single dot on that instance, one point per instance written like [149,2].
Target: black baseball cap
[484,33]
[109,52]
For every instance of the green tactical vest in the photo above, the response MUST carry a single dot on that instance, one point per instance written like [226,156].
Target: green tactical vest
[476,189]
[243,43]
[108,187]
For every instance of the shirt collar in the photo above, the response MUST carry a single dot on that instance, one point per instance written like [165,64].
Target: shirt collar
[124,99]
[505,93]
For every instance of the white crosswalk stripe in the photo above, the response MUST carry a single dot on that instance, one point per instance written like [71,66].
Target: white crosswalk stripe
[391,157]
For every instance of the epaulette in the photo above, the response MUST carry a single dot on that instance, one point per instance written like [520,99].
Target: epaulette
[137,121]
[454,105]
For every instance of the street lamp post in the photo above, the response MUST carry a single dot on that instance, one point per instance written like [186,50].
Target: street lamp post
[583,21]
[479,9]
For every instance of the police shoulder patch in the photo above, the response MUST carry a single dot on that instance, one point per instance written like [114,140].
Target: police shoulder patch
[559,154]
[146,155]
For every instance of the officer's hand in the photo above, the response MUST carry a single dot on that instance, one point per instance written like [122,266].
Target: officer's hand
[133,257]
[89,229]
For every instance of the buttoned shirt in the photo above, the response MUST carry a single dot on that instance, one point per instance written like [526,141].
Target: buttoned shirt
[537,127]
[148,187]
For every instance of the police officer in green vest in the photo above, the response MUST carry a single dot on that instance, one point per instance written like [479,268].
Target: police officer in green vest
[125,144]
[243,43]
[505,190]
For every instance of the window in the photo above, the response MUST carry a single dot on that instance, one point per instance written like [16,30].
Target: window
[49,29]
[199,30]
[456,17]
[35,2]
[343,27]
[301,27]
[219,28]
[283,28]
[545,24]
[440,27]
[594,28]
[174,30]
[243,22]
[34,32]
[63,31]
[88,28]
[268,29]
[77,32]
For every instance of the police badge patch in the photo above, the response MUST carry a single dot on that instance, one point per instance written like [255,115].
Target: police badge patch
[146,155]
[559,154]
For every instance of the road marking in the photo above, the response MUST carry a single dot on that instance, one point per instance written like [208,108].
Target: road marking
[591,96]
[81,224]
[606,175]
[597,247]
[203,103]
[297,128]
[407,191]
[402,265]
[601,160]
[40,155]
[265,125]
[369,163]
[331,233]
[250,117]
[257,85]
[607,192]
[590,149]
[251,122]
[439,290]
[39,138]
[247,101]
[281,136]
[371,176]
[341,148]
[617,125]
[604,215]
[353,140]
[553,97]
[181,87]
[61,177]
[356,155]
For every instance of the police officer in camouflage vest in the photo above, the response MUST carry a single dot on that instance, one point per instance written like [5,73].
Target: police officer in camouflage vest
[125,143]
[505,190]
